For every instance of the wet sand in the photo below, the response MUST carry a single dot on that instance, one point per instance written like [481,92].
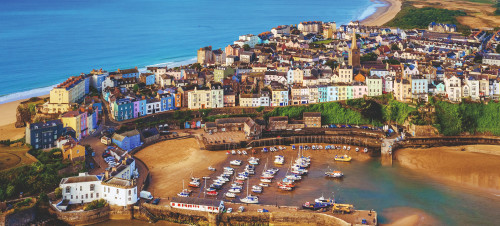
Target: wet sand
[383,14]
[477,167]
[408,216]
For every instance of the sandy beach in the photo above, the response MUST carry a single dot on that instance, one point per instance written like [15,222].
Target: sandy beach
[8,119]
[476,167]
[383,14]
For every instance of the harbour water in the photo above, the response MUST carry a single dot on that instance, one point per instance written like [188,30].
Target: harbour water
[367,184]
[44,42]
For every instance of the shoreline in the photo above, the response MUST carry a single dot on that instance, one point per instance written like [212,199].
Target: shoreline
[383,14]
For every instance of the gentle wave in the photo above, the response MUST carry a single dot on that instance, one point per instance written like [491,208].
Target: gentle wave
[370,10]
[45,90]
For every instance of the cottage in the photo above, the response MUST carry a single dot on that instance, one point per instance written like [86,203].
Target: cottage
[127,140]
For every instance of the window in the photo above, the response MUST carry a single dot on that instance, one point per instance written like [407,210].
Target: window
[86,196]
[80,188]
[71,196]
[117,191]
[92,187]
[68,189]
[91,195]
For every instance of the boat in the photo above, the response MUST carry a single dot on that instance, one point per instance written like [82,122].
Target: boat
[184,192]
[256,189]
[250,199]
[293,177]
[211,168]
[314,206]
[230,195]
[206,178]
[233,152]
[266,180]
[334,174]
[212,193]
[253,161]
[235,162]
[264,185]
[194,184]
[285,188]
[234,190]
[322,199]
[365,150]
[244,152]
[210,189]
[357,149]
[343,158]
[279,160]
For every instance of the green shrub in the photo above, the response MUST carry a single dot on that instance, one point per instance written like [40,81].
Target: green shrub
[411,17]
[96,204]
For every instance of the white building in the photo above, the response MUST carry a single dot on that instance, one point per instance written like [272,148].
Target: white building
[249,39]
[492,59]
[453,87]
[86,188]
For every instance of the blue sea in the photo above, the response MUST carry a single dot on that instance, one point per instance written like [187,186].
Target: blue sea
[42,42]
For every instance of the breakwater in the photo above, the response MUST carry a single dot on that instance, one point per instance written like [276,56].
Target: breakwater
[283,217]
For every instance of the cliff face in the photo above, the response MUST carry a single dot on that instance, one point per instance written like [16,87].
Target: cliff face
[23,116]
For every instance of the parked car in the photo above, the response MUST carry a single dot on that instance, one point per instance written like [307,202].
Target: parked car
[156,201]
[241,209]
[229,210]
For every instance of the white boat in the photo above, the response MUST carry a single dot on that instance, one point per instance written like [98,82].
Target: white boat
[236,186]
[264,185]
[266,180]
[256,189]
[234,190]
[285,188]
[233,152]
[293,177]
[357,149]
[279,159]
[244,152]
[227,168]
[184,192]
[254,162]
[230,195]
[235,162]
[365,150]
[211,168]
[250,199]
[239,152]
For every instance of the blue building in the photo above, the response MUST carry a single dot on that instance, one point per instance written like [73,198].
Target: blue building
[322,93]
[97,78]
[167,101]
[332,93]
[43,135]
[123,109]
[127,140]
[129,73]
[147,78]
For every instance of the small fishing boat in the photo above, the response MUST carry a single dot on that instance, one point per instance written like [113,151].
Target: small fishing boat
[365,150]
[314,206]
[184,193]
[357,149]
[343,158]
[264,185]
[239,152]
[285,188]
[234,190]
[233,152]
[211,168]
[235,162]
[279,160]
[256,189]
[244,152]
[230,195]
[266,180]
[212,193]
[322,199]
[334,174]
[194,184]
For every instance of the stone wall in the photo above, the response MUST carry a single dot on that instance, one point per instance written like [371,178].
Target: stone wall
[83,217]
[247,218]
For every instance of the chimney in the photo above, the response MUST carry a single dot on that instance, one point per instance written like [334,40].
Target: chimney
[106,175]
[124,162]
[118,70]
[113,169]
[135,67]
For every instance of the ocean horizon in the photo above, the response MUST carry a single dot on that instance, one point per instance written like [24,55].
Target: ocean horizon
[45,42]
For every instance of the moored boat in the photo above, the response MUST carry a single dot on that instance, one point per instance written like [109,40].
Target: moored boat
[334,174]
[343,158]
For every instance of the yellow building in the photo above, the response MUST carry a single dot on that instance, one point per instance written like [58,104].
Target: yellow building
[73,119]
[402,90]
[65,94]
[73,151]
[327,33]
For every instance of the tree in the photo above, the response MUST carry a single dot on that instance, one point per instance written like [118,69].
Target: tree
[246,47]
[394,47]
[478,59]
[196,66]
[332,64]
[136,87]
[58,193]
[10,190]
[498,48]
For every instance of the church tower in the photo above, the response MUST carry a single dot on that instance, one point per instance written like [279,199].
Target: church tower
[354,60]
